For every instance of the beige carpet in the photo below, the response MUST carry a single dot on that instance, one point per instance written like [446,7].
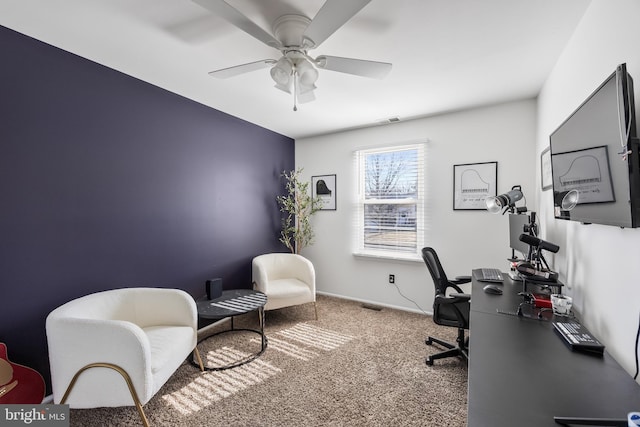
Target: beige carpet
[352,367]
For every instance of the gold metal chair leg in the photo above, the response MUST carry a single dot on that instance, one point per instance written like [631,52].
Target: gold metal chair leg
[315,306]
[126,377]
[199,358]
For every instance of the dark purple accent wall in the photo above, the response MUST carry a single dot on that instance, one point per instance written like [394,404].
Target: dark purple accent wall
[107,181]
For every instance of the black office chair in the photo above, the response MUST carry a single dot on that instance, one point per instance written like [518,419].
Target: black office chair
[448,310]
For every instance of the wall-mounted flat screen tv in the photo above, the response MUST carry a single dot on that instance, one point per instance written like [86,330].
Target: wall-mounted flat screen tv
[595,162]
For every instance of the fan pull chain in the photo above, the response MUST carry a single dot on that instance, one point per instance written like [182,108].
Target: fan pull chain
[295,89]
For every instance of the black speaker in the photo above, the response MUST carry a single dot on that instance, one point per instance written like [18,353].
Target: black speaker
[214,288]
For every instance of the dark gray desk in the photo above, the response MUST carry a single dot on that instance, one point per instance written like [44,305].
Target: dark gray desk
[522,374]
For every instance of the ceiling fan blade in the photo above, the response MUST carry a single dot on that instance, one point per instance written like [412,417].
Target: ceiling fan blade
[331,16]
[224,73]
[358,67]
[233,16]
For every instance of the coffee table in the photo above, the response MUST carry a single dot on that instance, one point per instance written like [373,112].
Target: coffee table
[230,304]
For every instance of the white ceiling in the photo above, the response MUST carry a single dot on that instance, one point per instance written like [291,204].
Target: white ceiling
[447,54]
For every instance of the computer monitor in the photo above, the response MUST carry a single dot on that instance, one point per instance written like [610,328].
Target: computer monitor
[518,224]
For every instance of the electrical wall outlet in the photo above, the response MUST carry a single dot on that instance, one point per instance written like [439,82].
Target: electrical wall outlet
[392,278]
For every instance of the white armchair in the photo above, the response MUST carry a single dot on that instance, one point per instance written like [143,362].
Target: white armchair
[287,279]
[118,347]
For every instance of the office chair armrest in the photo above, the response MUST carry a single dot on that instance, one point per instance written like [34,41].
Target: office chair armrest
[459,297]
[458,281]
[453,298]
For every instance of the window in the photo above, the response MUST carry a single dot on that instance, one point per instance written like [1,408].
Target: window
[390,213]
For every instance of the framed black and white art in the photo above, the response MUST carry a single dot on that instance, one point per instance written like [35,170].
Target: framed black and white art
[324,186]
[545,169]
[473,183]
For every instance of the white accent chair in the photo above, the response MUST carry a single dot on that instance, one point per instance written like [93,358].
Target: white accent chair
[118,347]
[287,279]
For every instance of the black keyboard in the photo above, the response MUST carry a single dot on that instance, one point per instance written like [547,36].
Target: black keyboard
[488,275]
[577,337]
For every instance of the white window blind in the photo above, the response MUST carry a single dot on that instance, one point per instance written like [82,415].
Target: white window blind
[390,214]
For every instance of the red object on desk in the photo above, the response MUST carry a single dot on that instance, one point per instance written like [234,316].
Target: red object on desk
[541,300]
[19,384]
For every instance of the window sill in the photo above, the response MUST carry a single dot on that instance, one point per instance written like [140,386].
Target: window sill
[389,256]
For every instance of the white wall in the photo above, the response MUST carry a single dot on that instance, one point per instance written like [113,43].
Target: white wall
[600,264]
[464,239]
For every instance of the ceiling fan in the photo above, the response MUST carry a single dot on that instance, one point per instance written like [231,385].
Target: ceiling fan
[296,71]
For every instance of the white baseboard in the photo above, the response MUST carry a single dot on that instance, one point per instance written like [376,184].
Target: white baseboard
[364,301]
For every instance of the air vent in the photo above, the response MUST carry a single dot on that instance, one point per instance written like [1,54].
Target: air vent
[388,120]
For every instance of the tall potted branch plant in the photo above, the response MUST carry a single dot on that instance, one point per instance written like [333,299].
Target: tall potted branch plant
[297,205]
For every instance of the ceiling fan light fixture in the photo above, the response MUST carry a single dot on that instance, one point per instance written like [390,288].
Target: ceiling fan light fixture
[306,97]
[304,88]
[281,72]
[284,88]
[307,73]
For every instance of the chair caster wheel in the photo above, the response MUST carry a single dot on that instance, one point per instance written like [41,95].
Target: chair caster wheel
[428,341]
[429,362]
